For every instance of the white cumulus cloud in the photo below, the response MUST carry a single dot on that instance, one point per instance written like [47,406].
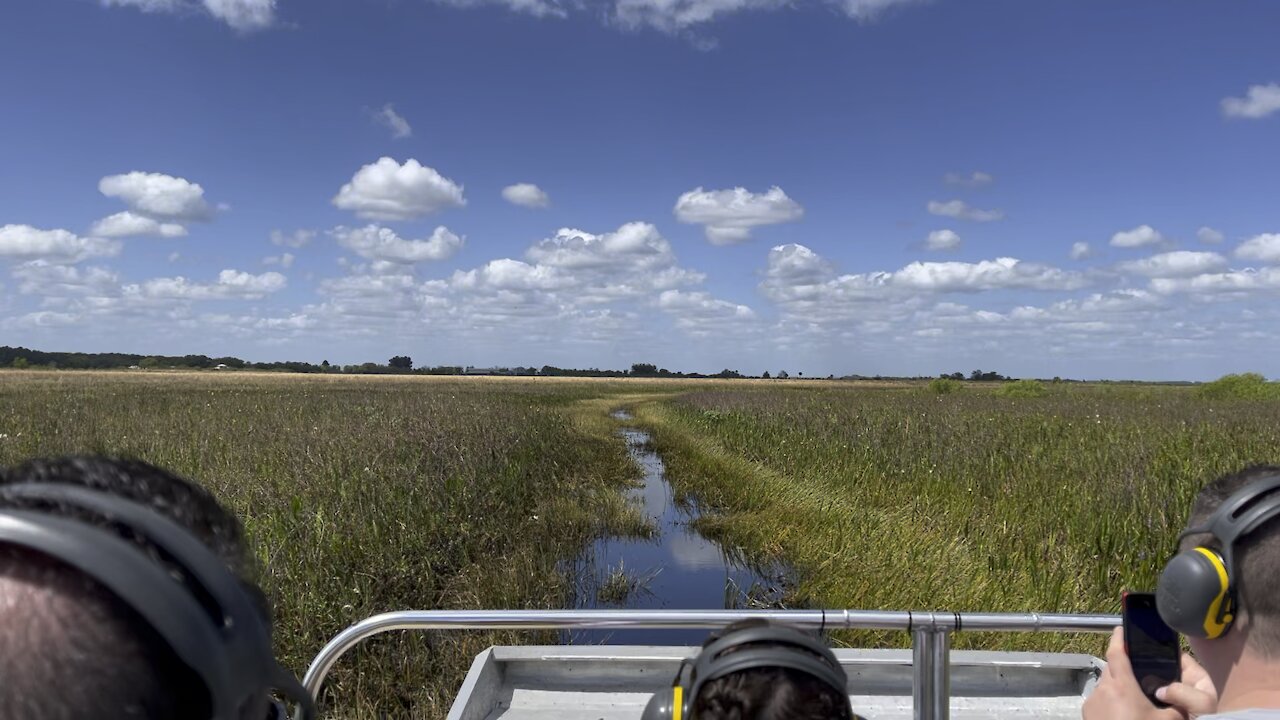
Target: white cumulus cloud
[1236,281]
[526,195]
[296,239]
[380,243]
[1260,101]
[128,224]
[1080,250]
[972,180]
[1210,236]
[284,260]
[41,277]
[242,15]
[387,190]
[942,240]
[158,196]
[1180,263]
[231,284]
[25,242]
[961,210]
[394,121]
[700,314]
[729,215]
[1263,248]
[674,16]
[796,273]
[1141,236]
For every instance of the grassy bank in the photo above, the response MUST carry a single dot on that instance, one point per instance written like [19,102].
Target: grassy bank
[362,495]
[901,498]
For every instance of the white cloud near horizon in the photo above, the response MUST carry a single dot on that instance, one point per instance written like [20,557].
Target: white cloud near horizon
[1259,101]
[386,190]
[1176,264]
[1081,250]
[230,285]
[728,216]
[961,210]
[24,242]
[526,195]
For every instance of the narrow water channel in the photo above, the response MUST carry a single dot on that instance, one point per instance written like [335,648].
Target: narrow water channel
[677,568]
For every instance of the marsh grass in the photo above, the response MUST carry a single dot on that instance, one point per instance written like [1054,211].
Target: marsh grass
[886,498]
[367,494]
[364,495]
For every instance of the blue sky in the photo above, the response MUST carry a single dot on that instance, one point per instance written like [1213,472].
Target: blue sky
[1085,189]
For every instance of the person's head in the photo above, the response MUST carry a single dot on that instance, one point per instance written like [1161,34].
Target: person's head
[1255,573]
[71,647]
[787,675]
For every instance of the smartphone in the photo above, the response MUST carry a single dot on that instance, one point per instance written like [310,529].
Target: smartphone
[1152,646]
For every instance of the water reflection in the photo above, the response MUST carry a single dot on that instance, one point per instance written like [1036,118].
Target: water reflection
[676,568]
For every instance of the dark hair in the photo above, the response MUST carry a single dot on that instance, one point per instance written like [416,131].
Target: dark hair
[1257,559]
[768,693]
[72,649]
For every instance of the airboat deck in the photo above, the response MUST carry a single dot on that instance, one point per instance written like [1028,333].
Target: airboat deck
[604,682]
[614,683]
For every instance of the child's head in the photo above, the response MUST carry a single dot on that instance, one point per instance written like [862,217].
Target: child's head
[755,670]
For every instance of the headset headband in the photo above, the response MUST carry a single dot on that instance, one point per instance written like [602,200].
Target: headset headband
[1231,521]
[798,651]
[210,623]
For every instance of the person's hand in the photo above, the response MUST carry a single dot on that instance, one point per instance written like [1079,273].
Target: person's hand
[1195,695]
[1118,696]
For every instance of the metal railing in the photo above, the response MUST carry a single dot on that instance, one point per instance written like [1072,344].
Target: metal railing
[930,633]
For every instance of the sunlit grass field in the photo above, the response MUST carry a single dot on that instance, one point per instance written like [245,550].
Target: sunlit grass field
[373,493]
[970,500]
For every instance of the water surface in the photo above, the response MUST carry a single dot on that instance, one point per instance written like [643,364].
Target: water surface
[675,569]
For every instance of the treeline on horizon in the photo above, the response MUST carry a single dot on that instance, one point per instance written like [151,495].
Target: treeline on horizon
[20,357]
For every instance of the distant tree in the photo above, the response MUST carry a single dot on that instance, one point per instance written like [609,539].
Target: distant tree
[325,364]
[149,362]
[956,376]
[644,369]
[766,375]
[782,375]
[401,362]
[21,363]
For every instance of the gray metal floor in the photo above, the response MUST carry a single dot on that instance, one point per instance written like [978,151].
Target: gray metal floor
[615,682]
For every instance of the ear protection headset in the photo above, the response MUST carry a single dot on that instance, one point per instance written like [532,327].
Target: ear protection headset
[780,647]
[1196,594]
[197,605]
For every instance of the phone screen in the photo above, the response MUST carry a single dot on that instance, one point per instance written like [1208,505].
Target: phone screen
[1152,645]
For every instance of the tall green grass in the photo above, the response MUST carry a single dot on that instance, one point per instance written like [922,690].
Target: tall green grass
[888,498]
[362,496]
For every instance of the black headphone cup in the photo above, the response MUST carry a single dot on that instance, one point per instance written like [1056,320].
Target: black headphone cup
[661,706]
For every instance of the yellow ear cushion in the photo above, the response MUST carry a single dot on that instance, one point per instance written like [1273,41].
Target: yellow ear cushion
[1212,627]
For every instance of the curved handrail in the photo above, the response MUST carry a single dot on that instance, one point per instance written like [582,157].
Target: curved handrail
[666,619]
